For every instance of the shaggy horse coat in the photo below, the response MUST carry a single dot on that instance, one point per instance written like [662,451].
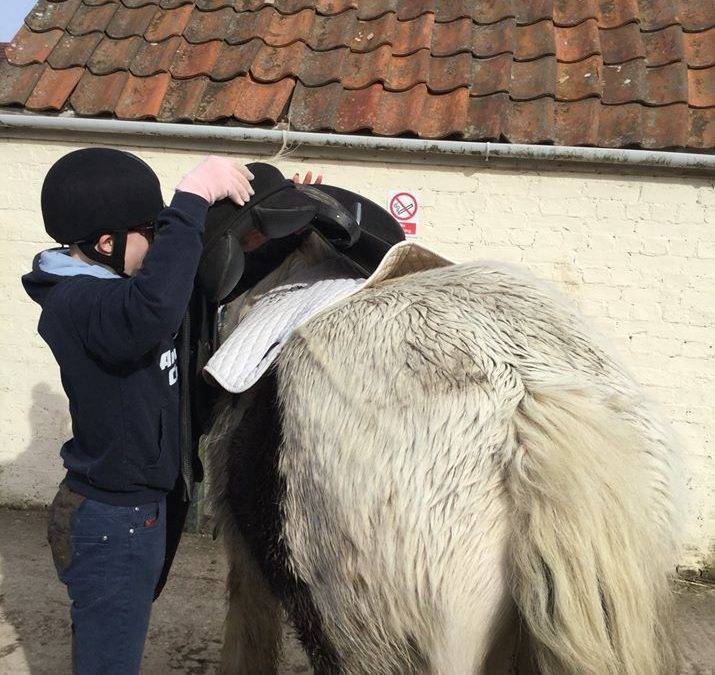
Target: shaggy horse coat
[436,464]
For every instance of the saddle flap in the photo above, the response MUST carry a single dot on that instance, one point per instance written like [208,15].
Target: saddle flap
[221,269]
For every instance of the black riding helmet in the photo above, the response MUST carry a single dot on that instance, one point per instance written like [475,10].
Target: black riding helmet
[95,191]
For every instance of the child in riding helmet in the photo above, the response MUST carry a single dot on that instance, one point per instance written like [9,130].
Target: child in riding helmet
[112,303]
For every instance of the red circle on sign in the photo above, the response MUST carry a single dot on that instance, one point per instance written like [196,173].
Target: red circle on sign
[403,206]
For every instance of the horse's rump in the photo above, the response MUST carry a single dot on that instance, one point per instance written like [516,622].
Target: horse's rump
[436,432]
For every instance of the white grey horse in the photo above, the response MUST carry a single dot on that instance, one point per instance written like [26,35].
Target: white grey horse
[440,470]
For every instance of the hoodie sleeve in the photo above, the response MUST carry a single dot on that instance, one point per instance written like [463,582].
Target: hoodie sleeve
[122,320]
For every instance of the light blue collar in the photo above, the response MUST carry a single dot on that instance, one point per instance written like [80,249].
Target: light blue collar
[58,261]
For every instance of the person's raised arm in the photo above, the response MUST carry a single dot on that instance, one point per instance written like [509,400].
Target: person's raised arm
[128,318]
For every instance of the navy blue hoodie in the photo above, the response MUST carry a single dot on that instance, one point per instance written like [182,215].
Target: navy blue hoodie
[113,338]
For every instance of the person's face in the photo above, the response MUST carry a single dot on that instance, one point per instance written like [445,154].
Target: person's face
[136,248]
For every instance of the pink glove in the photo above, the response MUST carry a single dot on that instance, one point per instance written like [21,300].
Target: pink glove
[217,178]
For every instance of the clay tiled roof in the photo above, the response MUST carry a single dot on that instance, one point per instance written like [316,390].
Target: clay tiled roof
[611,73]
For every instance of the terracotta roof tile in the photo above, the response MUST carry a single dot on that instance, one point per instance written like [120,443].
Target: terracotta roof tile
[98,94]
[575,43]
[240,27]
[485,117]
[213,5]
[164,4]
[535,40]
[206,26]
[354,71]
[491,75]
[695,16]
[409,36]
[667,84]
[578,80]
[312,108]
[326,7]
[622,44]
[166,23]
[701,131]
[447,38]
[530,121]
[142,96]
[284,29]
[127,22]
[620,125]
[245,99]
[356,109]
[593,72]
[666,126]
[533,11]
[17,82]
[218,100]
[155,57]
[658,14]
[577,122]
[532,79]
[182,99]
[53,88]
[47,15]
[274,63]
[615,14]
[663,46]
[491,12]
[701,85]
[448,73]
[624,82]
[28,47]
[400,112]
[484,41]
[88,19]
[443,115]
[700,48]
[568,13]
[235,60]
[191,60]
[112,55]
[73,51]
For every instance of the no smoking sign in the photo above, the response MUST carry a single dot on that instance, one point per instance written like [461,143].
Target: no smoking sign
[403,206]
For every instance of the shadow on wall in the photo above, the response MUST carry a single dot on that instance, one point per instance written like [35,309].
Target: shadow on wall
[27,572]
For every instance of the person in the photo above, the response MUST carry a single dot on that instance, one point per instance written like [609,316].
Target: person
[112,298]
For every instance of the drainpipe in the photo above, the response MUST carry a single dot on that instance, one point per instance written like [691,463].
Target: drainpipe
[38,126]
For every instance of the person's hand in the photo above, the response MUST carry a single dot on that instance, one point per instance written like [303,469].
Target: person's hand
[308,177]
[217,178]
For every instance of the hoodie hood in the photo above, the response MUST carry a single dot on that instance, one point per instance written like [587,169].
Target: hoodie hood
[50,267]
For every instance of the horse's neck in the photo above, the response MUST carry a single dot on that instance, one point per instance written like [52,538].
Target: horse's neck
[312,251]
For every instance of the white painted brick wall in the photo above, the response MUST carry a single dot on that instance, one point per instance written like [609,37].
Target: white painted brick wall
[635,254]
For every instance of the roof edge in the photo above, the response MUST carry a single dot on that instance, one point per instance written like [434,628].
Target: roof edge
[481,152]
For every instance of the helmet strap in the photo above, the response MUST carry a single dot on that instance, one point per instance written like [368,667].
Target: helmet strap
[115,259]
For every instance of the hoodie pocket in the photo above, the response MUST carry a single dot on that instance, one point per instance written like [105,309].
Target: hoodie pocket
[161,451]
[161,473]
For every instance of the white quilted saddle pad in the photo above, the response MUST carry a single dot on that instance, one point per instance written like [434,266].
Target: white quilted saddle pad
[257,340]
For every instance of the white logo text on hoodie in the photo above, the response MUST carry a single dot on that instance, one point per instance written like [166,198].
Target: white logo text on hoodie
[168,360]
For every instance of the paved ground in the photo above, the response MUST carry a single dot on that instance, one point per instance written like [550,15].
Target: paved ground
[184,636]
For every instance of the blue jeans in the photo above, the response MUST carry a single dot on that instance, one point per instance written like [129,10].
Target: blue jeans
[110,558]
